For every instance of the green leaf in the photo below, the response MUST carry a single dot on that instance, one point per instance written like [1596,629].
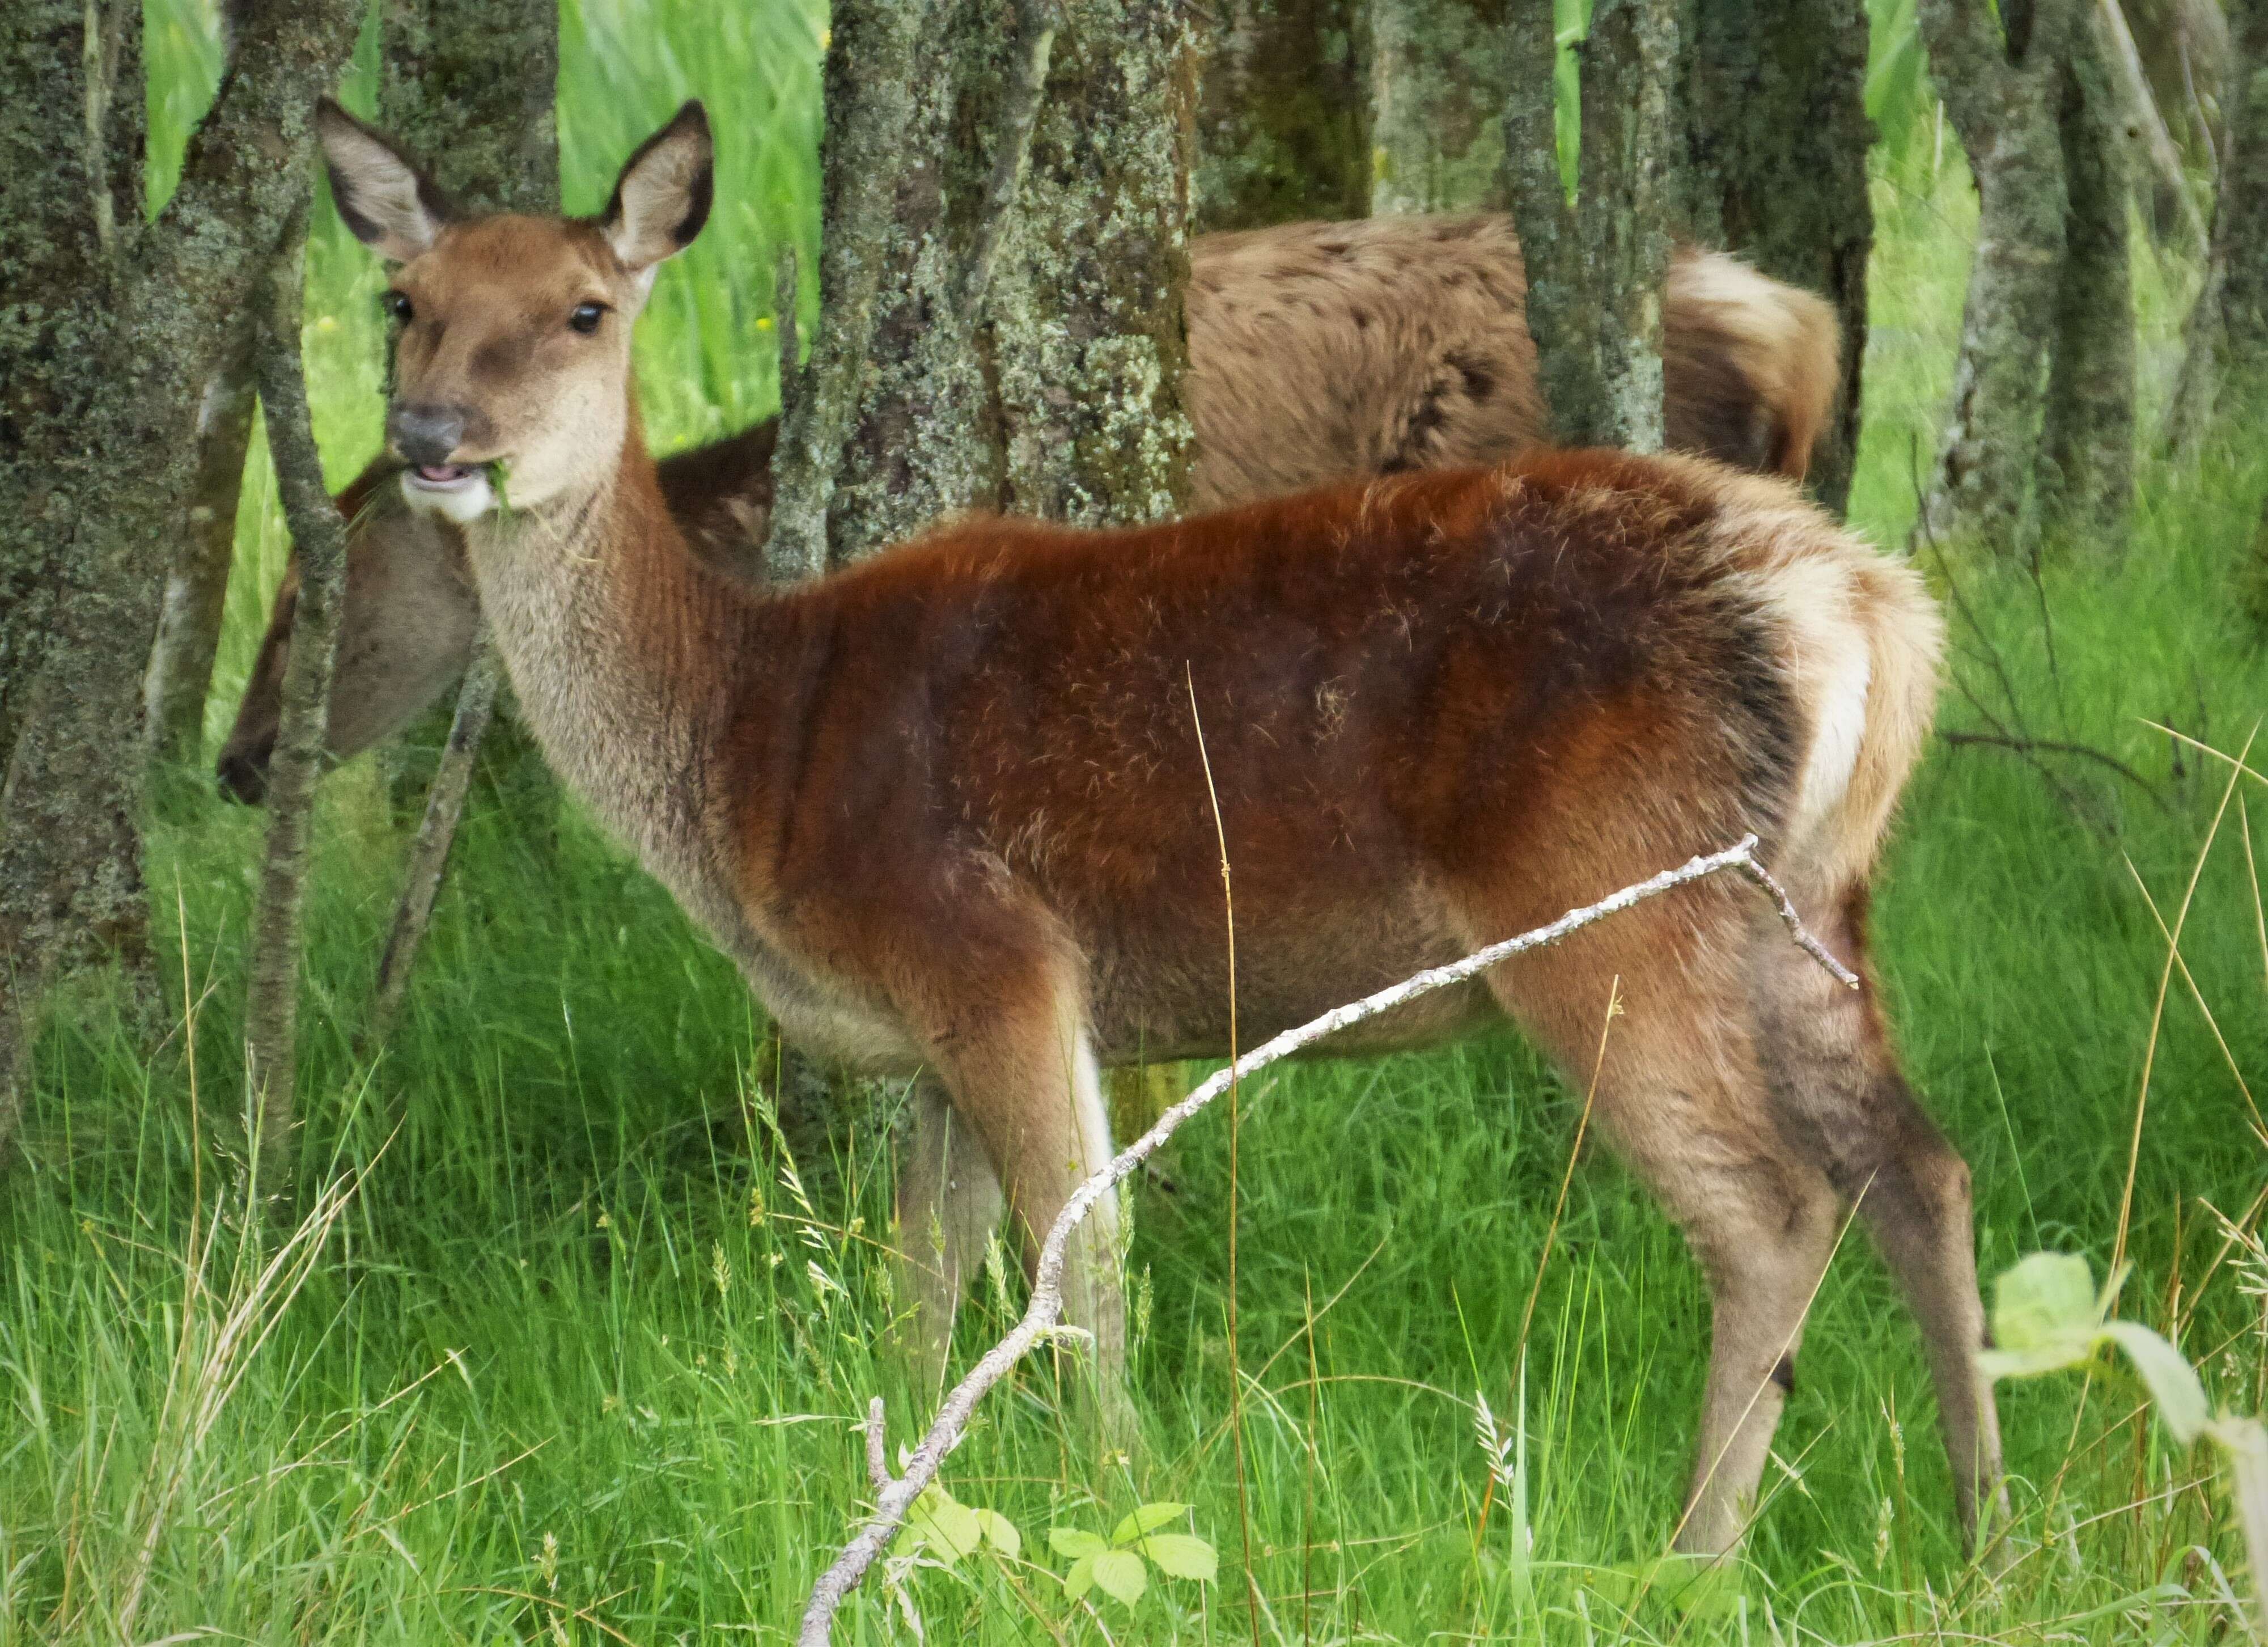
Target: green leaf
[1075,1541]
[1182,1555]
[2173,1382]
[1081,1578]
[1147,1518]
[1000,1532]
[948,1526]
[1121,1574]
[2044,1300]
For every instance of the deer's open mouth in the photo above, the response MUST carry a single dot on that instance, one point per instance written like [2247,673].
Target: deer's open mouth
[443,475]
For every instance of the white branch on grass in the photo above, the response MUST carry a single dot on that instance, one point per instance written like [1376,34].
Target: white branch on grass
[894,1495]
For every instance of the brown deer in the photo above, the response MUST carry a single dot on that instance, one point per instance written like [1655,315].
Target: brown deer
[948,812]
[1318,351]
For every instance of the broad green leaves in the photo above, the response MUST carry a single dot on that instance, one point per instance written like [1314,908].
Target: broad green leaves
[944,1529]
[1119,1565]
[2047,1315]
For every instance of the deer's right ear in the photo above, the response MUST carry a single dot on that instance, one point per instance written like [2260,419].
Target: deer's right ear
[390,205]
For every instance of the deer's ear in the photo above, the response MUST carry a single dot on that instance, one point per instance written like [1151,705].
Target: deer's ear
[390,205]
[662,197]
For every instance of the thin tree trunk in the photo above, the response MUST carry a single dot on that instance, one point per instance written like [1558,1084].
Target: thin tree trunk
[2162,187]
[874,116]
[473,91]
[1442,81]
[1596,264]
[2224,375]
[429,852]
[319,538]
[2002,95]
[147,331]
[1284,114]
[1775,98]
[2087,445]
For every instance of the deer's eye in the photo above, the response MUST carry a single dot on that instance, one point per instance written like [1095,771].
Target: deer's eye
[584,317]
[398,307]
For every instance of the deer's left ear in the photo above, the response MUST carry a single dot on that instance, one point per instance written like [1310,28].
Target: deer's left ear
[662,197]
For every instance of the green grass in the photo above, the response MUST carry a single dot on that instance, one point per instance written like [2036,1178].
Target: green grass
[574,1361]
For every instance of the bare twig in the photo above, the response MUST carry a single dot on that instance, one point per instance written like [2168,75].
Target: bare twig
[1045,1311]
[429,853]
[2051,746]
[272,1011]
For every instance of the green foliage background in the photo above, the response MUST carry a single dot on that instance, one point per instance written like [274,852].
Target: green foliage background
[578,1363]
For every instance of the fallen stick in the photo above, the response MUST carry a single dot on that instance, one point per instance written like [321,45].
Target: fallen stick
[894,1495]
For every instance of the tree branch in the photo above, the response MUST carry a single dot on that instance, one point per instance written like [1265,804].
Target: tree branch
[1036,21]
[893,1497]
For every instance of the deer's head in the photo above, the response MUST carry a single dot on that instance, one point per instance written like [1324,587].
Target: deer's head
[513,334]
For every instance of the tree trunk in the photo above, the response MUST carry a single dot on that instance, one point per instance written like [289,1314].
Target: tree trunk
[1596,264]
[1283,117]
[875,123]
[1441,86]
[476,97]
[2224,377]
[2087,477]
[179,675]
[1776,106]
[145,333]
[2002,93]
[318,537]
[472,90]
[1088,339]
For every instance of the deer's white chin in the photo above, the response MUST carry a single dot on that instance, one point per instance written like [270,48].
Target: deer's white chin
[456,494]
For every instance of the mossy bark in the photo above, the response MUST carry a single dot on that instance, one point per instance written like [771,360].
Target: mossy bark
[2002,91]
[1284,114]
[1596,263]
[318,537]
[1089,342]
[2086,475]
[471,88]
[1442,77]
[2224,379]
[1775,102]
[2040,434]
[149,326]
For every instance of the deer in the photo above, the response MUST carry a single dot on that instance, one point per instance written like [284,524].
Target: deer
[957,812]
[1318,351]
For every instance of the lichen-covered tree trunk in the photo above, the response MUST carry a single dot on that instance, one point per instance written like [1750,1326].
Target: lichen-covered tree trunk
[1442,75]
[1284,114]
[320,539]
[1596,263]
[471,88]
[2087,474]
[153,315]
[1775,104]
[2224,378]
[1089,342]
[2002,93]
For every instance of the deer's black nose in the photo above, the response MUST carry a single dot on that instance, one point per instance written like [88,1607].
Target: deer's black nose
[425,434]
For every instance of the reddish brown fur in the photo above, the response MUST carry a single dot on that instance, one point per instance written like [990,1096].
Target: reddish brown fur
[1319,351]
[948,812]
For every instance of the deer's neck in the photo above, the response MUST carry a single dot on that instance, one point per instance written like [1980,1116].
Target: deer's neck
[627,654]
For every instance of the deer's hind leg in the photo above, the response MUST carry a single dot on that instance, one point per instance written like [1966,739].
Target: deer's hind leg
[1844,1103]
[949,1206]
[1682,1098]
